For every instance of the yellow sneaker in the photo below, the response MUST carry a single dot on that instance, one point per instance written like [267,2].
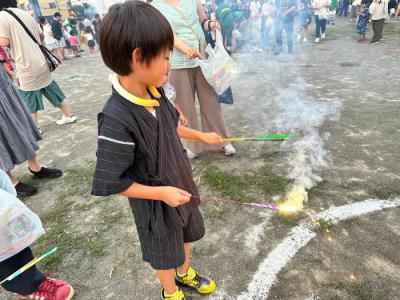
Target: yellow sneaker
[201,284]
[178,295]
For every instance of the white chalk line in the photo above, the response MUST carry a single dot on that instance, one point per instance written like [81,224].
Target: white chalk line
[299,236]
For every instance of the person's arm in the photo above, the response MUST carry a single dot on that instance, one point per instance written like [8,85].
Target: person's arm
[207,137]
[4,42]
[168,194]
[207,24]
[181,46]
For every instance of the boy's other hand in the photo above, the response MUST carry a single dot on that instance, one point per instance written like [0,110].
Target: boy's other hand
[174,196]
[211,138]
[192,53]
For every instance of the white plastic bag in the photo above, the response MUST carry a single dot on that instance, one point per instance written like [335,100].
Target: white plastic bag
[219,69]
[19,226]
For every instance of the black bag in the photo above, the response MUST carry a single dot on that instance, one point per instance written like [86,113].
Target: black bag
[51,60]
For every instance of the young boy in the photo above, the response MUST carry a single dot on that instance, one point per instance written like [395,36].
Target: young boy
[362,21]
[140,155]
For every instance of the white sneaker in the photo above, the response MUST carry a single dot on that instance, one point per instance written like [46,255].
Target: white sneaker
[65,120]
[323,36]
[305,40]
[229,150]
[191,154]
[316,40]
[298,38]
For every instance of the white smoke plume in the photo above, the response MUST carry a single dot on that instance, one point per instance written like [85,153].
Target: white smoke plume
[304,117]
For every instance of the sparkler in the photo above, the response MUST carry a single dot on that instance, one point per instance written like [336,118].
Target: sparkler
[261,138]
[252,204]
[28,265]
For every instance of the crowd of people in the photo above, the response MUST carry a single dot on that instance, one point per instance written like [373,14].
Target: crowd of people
[259,23]
[65,38]
[140,154]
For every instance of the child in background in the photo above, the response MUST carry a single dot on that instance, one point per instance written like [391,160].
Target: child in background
[362,21]
[90,40]
[8,67]
[73,40]
[140,155]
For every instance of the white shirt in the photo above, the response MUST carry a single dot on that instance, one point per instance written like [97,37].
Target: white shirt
[48,35]
[255,8]
[379,10]
[33,71]
[266,9]
[88,36]
[320,8]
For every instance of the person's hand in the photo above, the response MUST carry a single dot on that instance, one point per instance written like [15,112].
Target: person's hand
[214,25]
[182,120]
[192,53]
[174,196]
[211,138]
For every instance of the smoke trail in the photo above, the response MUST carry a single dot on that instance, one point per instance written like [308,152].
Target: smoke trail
[307,154]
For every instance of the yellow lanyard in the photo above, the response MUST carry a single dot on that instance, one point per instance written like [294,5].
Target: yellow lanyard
[134,99]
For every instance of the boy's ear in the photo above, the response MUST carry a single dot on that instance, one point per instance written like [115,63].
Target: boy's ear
[137,58]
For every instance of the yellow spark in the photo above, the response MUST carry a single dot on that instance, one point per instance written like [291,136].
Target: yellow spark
[293,201]
[352,277]
[330,239]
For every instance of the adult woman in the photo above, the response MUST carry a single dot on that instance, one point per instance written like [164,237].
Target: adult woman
[187,17]
[18,137]
[320,8]
[379,12]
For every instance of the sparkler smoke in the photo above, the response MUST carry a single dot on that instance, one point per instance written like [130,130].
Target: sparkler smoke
[306,154]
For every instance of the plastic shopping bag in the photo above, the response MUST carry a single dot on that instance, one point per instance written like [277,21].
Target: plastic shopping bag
[219,69]
[19,226]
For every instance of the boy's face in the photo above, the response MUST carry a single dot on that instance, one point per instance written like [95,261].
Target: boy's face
[156,71]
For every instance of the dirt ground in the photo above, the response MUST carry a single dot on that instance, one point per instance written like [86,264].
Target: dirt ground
[357,259]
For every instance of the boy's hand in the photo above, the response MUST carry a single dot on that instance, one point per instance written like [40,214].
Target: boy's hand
[210,138]
[174,196]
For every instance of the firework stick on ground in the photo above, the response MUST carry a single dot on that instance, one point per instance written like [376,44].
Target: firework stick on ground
[28,265]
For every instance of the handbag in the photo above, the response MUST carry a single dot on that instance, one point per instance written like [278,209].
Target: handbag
[51,60]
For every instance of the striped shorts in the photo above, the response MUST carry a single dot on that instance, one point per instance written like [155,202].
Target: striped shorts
[167,252]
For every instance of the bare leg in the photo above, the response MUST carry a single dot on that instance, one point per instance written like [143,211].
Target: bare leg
[65,109]
[34,164]
[167,280]
[35,118]
[182,270]
[58,54]
[12,178]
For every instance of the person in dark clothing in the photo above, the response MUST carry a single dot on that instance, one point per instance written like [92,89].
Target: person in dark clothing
[140,154]
[56,29]
[344,8]
[284,20]
[225,19]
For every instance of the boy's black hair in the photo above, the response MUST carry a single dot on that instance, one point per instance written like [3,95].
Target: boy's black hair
[131,25]
[8,3]
[57,14]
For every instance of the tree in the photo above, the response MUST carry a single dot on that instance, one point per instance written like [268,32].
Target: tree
[78,10]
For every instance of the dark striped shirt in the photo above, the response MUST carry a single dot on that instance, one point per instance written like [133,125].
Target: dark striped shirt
[135,146]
